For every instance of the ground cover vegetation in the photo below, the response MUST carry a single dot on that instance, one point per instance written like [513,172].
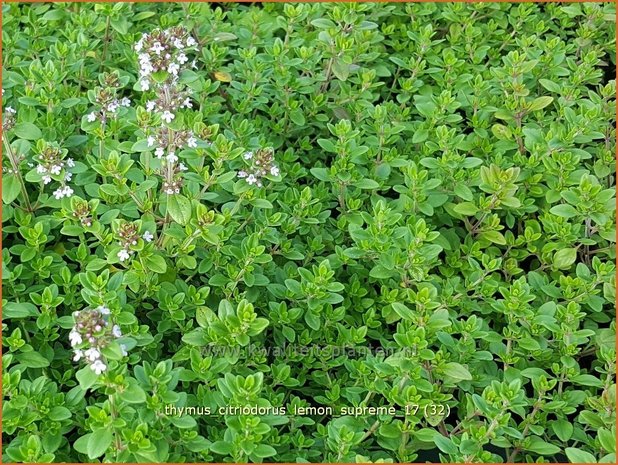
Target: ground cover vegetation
[308,232]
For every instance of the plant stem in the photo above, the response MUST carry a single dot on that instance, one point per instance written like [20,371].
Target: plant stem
[105,42]
[342,196]
[529,418]
[371,430]
[492,426]
[13,159]
[237,205]
[476,225]
[114,414]
[166,221]
[460,424]
[187,242]
[329,71]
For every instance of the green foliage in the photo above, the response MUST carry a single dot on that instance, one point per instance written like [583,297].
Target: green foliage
[406,206]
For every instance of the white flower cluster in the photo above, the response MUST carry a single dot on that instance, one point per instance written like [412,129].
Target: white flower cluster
[107,100]
[64,191]
[166,143]
[82,212]
[172,187]
[262,163]
[128,236]
[92,332]
[8,170]
[164,50]
[8,118]
[108,109]
[125,253]
[51,165]
[162,56]
[169,102]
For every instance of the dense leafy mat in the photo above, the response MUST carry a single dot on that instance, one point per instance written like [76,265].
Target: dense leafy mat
[302,210]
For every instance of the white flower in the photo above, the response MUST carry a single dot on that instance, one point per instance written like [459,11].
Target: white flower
[171,157]
[98,367]
[194,64]
[146,69]
[91,117]
[62,192]
[157,48]
[242,174]
[144,84]
[92,354]
[150,105]
[187,103]
[167,116]
[192,142]
[59,193]
[274,170]
[103,310]
[251,179]
[123,255]
[70,162]
[123,349]
[116,331]
[55,169]
[248,155]
[139,45]
[182,167]
[68,176]
[169,191]
[78,354]
[173,68]
[113,107]
[182,58]
[191,42]
[148,236]
[75,338]
[10,109]
[178,44]
[159,152]
[46,179]
[41,169]
[125,102]
[151,141]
